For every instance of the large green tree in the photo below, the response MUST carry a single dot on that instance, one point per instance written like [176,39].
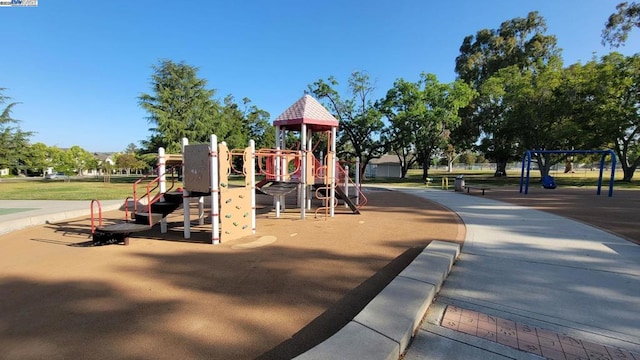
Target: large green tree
[361,125]
[38,160]
[247,122]
[613,98]
[13,140]
[620,23]
[421,116]
[520,42]
[179,106]
[532,111]
[81,159]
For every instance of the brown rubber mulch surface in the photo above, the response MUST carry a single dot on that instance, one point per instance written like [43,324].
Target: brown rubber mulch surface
[270,296]
[164,298]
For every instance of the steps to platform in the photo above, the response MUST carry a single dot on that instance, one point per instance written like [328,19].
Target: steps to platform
[119,233]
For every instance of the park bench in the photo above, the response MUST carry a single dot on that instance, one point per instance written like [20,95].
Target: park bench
[477,187]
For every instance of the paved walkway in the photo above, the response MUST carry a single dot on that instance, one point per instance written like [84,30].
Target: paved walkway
[553,288]
[20,214]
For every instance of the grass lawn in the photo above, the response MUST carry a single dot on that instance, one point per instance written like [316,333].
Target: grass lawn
[78,188]
[121,187]
[580,178]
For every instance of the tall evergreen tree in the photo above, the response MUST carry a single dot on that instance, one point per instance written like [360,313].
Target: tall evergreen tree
[180,106]
[14,142]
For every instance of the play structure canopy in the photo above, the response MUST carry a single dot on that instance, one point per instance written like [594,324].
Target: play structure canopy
[308,111]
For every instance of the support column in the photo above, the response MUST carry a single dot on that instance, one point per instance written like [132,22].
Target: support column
[252,179]
[276,168]
[162,185]
[185,195]
[333,167]
[215,191]
[302,187]
[357,177]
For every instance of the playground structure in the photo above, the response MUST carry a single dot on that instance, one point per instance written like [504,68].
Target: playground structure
[526,159]
[204,174]
[206,170]
[300,170]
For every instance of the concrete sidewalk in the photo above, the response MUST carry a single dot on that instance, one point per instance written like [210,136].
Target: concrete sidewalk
[557,288]
[20,214]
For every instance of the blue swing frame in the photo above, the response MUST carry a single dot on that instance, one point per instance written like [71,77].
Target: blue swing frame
[524,182]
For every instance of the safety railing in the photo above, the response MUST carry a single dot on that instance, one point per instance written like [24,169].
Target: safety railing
[150,188]
[93,227]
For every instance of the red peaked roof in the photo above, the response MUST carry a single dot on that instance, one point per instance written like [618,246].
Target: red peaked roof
[306,111]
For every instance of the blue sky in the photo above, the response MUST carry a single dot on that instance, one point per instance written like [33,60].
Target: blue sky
[78,66]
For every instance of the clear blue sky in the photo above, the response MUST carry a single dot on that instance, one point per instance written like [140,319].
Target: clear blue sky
[78,66]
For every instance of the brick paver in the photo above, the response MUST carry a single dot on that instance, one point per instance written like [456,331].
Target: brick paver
[531,339]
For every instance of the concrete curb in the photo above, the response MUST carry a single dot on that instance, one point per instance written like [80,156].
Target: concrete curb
[384,328]
[34,220]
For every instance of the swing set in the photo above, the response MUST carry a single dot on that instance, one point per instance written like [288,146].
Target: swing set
[526,159]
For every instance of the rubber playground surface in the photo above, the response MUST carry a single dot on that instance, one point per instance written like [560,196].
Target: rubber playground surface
[271,295]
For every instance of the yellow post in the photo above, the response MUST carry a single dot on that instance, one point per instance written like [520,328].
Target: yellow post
[445,183]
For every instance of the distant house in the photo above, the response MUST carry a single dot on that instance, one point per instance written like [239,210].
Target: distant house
[103,158]
[387,166]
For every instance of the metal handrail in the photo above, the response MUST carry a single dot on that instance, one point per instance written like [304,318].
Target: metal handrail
[93,227]
[361,196]
[149,190]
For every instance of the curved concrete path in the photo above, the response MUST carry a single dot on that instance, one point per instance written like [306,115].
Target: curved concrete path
[20,214]
[534,268]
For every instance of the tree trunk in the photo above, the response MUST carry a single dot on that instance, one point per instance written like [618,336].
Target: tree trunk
[425,171]
[501,168]
[628,173]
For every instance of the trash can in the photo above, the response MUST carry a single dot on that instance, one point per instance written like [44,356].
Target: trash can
[458,184]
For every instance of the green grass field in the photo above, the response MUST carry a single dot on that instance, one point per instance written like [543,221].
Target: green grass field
[76,189]
[121,187]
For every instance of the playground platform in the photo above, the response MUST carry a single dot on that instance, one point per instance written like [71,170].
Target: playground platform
[524,268]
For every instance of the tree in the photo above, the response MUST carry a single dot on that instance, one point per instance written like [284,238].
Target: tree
[361,124]
[608,99]
[423,114]
[180,106]
[131,149]
[247,122]
[532,114]
[620,23]
[468,158]
[61,160]
[519,42]
[128,162]
[37,160]
[13,141]
[81,159]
